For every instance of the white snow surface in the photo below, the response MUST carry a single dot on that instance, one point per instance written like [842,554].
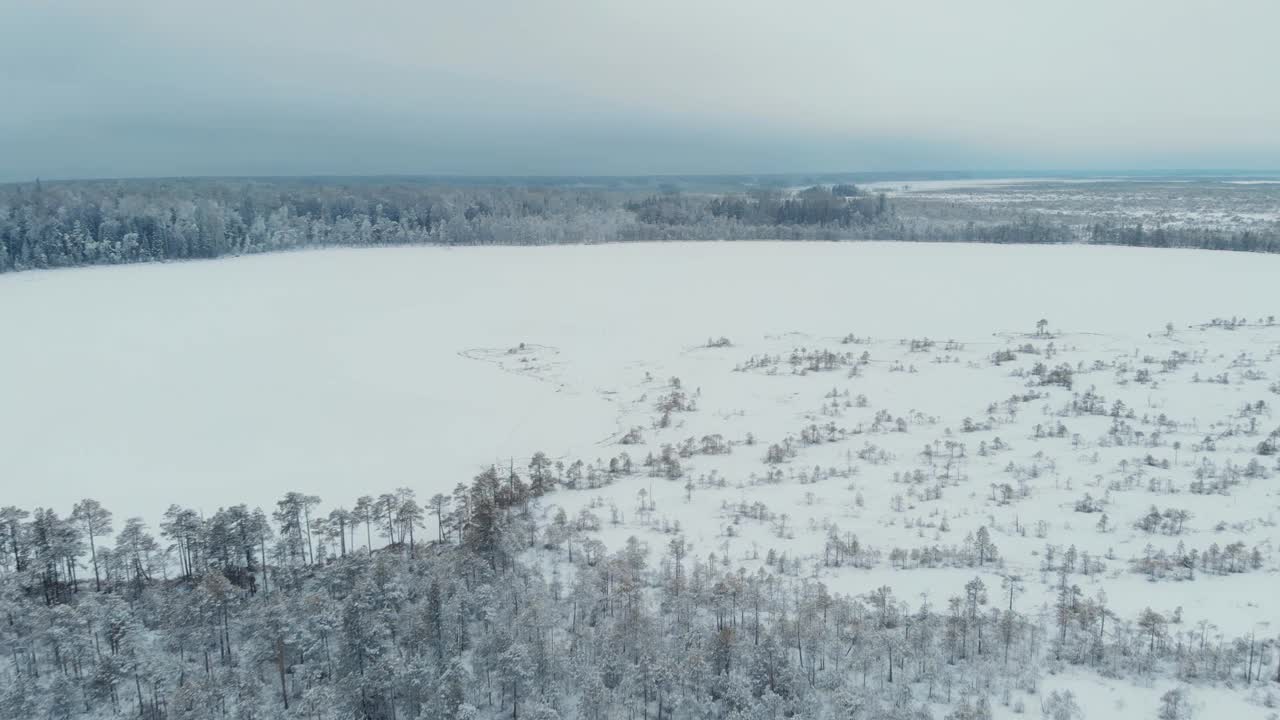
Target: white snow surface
[346,372]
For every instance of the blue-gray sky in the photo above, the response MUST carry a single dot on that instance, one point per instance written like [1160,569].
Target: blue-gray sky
[134,88]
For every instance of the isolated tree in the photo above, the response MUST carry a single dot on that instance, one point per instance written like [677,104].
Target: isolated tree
[94,521]
[438,504]
[408,515]
[1175,705]
[365,510]
[259,528]
[541,479]
[985,549]
[340,521]
[1061,705]
[385,508]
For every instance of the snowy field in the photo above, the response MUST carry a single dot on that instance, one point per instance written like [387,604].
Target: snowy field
[352,372]
[348,370]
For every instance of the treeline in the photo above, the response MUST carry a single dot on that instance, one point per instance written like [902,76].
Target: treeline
[110,222]
[46,225]
[245,614]
[1024,229]
[840,206]
[1139,235]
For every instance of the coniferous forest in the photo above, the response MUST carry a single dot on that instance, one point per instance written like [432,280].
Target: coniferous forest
[491,602]
[61,224]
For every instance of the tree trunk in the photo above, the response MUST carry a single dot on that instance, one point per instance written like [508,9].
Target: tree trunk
[284,690]
[266,589]
[142,708]
[306,517]
[93,553]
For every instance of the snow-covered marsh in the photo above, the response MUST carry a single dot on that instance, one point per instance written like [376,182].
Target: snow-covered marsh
[349,370]
[903,395]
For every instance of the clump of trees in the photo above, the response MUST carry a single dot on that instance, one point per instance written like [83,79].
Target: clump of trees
[1062,375]
[1181,564]
[1171,521]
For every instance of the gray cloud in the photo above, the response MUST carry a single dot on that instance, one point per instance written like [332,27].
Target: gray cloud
[566,86]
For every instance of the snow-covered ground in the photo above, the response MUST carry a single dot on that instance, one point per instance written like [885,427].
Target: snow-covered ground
[351,370]
[348,372]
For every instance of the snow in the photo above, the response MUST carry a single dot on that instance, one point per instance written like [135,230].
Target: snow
[1108,699]
[346,372]
[337,370]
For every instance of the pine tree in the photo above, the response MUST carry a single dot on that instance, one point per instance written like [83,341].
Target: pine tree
[94,521]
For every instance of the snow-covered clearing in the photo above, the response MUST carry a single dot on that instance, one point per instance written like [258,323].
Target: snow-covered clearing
[212,382]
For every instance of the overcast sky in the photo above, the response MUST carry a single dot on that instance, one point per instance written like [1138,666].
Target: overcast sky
[129,88]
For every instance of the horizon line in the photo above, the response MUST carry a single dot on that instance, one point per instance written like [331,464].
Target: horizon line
[960,174]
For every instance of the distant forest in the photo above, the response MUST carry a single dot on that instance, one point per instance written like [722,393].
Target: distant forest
[46,225]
